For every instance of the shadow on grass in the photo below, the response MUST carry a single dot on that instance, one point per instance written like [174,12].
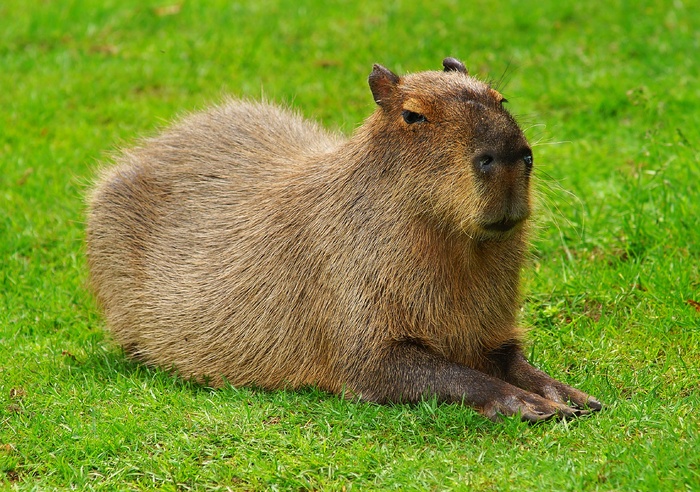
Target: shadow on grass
[108,365]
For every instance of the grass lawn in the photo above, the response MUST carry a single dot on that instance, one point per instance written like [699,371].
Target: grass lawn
[609,94]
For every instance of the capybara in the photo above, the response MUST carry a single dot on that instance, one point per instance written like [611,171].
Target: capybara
[248,245]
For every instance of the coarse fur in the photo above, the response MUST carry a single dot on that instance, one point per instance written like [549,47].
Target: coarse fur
[248,245]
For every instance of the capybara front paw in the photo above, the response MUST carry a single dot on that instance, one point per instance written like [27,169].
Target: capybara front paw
[561,393]
[529,407]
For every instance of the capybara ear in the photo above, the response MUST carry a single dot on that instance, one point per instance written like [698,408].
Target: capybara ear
[454,65]
[382,82]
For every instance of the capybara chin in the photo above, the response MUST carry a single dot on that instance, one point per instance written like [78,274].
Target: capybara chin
[246,244]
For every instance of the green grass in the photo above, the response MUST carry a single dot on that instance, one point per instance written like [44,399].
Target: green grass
[609,94]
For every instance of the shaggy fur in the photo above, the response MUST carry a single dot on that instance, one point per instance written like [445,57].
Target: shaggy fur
[249,245]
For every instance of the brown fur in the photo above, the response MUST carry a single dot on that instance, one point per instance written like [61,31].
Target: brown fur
[249,245]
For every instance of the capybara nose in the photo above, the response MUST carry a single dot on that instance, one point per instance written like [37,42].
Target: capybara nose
[486,163]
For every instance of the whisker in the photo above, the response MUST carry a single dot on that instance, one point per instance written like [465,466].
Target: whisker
[503,80]
[540,143]
[551,188]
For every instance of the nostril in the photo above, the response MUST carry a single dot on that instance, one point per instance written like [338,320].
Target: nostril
[528,160]
[485,161]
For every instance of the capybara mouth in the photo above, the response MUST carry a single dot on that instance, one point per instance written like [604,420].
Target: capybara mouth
[503,225]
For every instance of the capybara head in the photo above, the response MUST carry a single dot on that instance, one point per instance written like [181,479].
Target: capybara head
[460,150]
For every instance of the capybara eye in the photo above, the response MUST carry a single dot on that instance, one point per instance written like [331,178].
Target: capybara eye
[410,117]
[528,160]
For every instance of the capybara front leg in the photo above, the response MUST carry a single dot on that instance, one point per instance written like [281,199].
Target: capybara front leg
[510,364]
[407,372]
